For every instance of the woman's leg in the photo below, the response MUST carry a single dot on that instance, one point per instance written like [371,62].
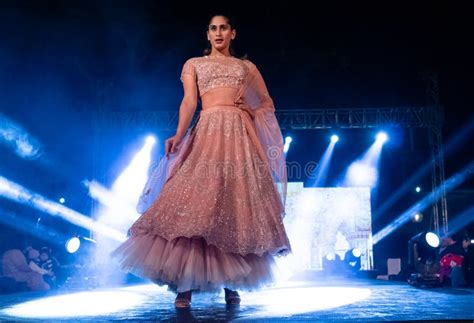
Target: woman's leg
[232,297]
[183,300]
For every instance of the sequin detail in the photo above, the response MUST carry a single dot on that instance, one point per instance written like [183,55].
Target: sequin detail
[222,192]
[212,73]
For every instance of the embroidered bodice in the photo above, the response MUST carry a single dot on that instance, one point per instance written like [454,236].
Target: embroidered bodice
[216,72]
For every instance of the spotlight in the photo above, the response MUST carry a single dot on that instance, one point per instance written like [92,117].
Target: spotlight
[332,264]
[417,217]
[356,253]
[330,257]
[150,140]
[423,259]
[352,260]
[382,137]
[432,239]
[62,200]
[334,138]
[418,189]
[286,147]
[73,244]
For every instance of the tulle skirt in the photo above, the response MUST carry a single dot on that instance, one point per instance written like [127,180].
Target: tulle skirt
[191,264]
[218,221]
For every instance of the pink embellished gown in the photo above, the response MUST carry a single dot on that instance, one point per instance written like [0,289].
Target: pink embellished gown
[212,215]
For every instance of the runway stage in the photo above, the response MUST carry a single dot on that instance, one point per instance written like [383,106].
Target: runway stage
[331,300]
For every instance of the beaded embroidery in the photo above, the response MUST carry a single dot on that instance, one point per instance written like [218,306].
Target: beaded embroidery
[215,72]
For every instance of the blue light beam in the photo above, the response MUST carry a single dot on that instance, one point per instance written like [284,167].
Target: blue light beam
[20,194]
[324,163]
[451,183]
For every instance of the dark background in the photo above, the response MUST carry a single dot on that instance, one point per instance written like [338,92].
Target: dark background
[62,60]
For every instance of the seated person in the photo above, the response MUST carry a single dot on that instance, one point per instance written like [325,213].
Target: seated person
[32,256]
[452,255]
[452,244]
[14,265]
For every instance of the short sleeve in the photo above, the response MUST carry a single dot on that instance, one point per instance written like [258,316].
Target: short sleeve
[188,68]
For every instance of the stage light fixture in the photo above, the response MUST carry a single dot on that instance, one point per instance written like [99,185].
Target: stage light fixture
[418,189]
[382,137]
[73,244]
[62,200]
[417,217]
[334,138]
[288,141]
[331,256]
[432,239]
[150,140]
[423,259]
[356,252]
[79,244]
[332,264]
[352,259]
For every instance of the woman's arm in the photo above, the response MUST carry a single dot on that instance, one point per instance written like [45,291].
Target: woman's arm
[186,109]
[188,104]
[37,268]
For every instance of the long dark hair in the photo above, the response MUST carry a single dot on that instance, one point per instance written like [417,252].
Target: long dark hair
[231,21]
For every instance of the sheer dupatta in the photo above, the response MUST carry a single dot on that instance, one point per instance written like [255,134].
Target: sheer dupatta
[159,174]
[256,99]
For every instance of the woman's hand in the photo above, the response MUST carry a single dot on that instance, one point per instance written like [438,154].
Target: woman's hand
[171,144]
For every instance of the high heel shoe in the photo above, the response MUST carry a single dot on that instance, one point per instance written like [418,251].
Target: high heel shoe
[183,300]
[232,297]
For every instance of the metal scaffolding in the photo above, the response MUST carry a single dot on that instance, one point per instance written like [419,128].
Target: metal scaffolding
[440,206]
[400,117]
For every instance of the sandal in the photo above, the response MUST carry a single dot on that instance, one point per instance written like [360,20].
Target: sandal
[232,297]
[183,300]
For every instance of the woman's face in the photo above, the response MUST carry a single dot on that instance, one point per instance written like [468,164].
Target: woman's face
[220,33]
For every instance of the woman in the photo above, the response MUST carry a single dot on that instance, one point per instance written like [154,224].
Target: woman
[213,209]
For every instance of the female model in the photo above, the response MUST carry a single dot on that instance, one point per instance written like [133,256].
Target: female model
[213,210]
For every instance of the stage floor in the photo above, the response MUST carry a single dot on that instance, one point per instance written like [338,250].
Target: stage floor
[329,300]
